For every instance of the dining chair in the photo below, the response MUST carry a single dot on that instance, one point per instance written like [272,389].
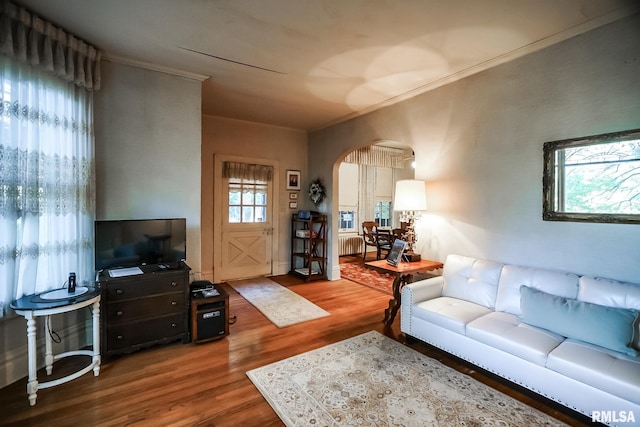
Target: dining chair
[369,237]
[384,241]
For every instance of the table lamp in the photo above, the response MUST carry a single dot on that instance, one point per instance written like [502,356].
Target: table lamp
[410,198]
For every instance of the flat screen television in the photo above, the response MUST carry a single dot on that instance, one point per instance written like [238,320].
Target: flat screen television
[136,242]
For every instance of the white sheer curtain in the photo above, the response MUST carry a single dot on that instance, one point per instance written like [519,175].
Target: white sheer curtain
[47,192]
[369,159]
[367,194]
[25,37]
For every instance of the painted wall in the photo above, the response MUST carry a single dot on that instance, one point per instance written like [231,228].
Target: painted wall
[148,137]
[239,138]
[478,144]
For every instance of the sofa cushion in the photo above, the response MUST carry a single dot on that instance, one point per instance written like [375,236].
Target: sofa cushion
[450,313]
[471,280]
[553,282]
[603,369]
[504,331]
[607,327]
[612,294]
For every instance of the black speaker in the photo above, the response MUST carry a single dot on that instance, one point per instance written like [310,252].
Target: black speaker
[211,321]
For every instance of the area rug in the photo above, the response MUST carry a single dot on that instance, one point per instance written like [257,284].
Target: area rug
[372,380]
[280,305]
[367,276]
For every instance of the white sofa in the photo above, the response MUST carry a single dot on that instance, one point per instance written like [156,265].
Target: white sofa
[484,312]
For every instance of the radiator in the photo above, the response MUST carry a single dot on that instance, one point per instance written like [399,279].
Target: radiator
[349,245]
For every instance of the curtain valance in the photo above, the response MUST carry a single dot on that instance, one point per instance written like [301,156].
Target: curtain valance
[251,171]
[377,156]
[27,38]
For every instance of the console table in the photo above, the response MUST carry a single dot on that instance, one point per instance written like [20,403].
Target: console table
[47,304]
[403,274]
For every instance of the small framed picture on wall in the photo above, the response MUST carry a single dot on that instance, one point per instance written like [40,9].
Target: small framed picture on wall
[293,180]
[293,196]
[293,205]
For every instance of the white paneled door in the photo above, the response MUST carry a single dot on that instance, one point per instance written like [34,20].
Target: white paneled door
[243,227]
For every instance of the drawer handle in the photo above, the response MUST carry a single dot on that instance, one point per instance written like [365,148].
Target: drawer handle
[173,325]
[120,337]
[119,291]
[174,284]
[119,313]
[174,302]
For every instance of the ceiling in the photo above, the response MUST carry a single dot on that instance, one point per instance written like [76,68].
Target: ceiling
[307,64]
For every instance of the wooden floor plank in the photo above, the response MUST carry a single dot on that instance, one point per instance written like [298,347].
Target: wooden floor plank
[206,384]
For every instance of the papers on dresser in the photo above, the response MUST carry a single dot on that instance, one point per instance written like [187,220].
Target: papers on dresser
[123,272]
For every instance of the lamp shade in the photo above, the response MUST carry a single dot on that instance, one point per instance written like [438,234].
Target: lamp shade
[410,195]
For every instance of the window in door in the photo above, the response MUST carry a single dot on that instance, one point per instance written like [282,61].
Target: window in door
[247,201]
[383,213]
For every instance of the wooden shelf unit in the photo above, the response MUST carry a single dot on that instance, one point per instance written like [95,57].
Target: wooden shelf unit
[309,247]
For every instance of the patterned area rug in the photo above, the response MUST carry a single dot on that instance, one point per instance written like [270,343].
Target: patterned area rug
[372,380]
[280,305]
[366,276]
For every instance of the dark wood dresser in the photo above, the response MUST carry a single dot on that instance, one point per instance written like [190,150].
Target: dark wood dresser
[144,309]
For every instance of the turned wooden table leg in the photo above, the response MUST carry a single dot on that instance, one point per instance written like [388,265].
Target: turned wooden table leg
[32,383]
[394,303]
[48,354]
[404,274]
[95,310]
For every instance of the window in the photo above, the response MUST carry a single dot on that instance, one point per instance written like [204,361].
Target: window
[47,188]
[347,219]
[47,192]
[247,201]
[594,179]
[383,213]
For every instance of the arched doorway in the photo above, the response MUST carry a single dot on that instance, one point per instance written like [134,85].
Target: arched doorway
[366,183]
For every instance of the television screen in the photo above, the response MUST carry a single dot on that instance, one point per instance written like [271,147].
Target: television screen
[132,243]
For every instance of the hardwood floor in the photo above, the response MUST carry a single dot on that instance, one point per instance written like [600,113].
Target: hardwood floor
[205,384]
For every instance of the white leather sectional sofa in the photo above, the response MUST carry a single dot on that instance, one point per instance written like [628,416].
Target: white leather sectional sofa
[572,339]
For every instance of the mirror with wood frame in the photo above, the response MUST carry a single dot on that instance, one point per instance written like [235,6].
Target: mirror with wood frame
[593,179]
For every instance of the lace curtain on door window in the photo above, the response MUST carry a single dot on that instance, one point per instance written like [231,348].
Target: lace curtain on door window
[247,188]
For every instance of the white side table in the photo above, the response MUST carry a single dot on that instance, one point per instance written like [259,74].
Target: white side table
[47,304]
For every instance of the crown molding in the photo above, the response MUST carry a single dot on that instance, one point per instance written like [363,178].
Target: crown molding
[153,67]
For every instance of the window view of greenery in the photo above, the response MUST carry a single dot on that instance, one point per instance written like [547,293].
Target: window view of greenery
[247,201]
[599,178]
[383,213]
